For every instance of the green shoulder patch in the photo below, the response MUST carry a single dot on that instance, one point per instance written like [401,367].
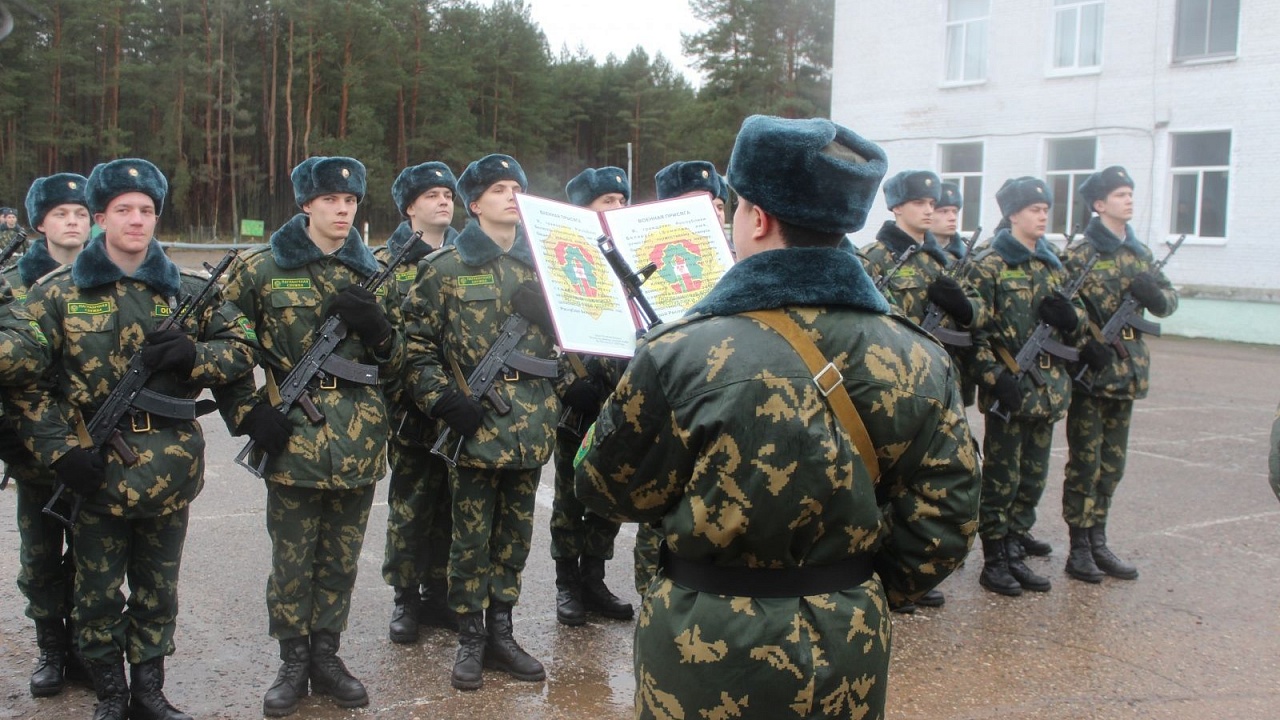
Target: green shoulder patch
[406,275]
[1013,274]
[161,311]
[1105,264]
[905,272]
[40,336]
[474,280]
[587,441]
[83,308]
[290,283]
[246,325]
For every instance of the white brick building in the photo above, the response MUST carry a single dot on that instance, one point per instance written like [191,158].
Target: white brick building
[1183,93]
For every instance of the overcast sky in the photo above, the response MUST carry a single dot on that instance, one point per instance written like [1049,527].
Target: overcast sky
[617,27]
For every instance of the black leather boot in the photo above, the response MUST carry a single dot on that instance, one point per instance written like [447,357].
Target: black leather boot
[471,648]
[596,597]
[569,607]
[933,598]
[1034,547]
[77,670]
[1025,576]
[51,638]
[435,606]
[502,652]
[1080,563]
[995,569]
[112,690]
[404,616]
[329,675]
[291,682]
[146,687]
[1106,560]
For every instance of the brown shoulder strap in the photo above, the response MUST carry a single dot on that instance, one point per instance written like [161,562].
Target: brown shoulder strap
[829,381]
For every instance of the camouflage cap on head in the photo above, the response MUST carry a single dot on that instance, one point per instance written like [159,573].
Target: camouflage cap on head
[1104,182]
[591,183]
[318,176]
[911,185]
[950,197]
[1022,192]
[486,171]
[47,193]
[110,180]
[811,173]
[417,179]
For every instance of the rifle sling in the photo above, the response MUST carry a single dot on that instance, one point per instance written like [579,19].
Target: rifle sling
[1007,358]
[832,388]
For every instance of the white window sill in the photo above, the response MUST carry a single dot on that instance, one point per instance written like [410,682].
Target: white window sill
[962,84]
[1073,72]
[1203,60]
[1195,240]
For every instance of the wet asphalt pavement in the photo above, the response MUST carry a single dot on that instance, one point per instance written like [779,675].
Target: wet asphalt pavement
[1196,636]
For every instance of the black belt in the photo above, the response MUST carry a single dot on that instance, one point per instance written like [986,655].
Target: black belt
[765,582]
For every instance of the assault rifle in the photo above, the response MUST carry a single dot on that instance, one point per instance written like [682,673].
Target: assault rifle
[883,280]
[933,314]
[130,395]
[1127,319]
[19,237]
[1030,358]
[319,363]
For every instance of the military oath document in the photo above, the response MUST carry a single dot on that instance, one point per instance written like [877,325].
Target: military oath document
[683,238]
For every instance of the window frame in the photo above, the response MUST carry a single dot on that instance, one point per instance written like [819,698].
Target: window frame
[1195,238]
[1206,56]
[1074,176]
[1075,69]
[972,205]
[948,24]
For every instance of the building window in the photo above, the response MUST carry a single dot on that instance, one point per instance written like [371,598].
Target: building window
[967,40]
[1068,161]
[1206,28]
[1200,169]
[1077,34]
[961,163]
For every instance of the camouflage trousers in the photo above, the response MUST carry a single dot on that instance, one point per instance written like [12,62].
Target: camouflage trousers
[645,554]
[47,571]
[147,551]
[316,536]
[419,517]
[1015,466]
[575,531]
[1097,440]
[492,532]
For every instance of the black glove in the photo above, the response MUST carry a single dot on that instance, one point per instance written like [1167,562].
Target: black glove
[84,471]
[528,301]
[1096,355]
[1058,312]
[1007,393]
[169,349]
[948,295]
[462,414]
[1146,290]
[267,427]
[583,395]
[362,313]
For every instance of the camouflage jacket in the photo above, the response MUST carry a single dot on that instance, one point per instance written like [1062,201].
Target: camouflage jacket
[408,423]
[95,319]
[908,287]
[282,290]
[1012,281]
[24,352]
[1119,261]
[452,314]
[34,264]
[718,432]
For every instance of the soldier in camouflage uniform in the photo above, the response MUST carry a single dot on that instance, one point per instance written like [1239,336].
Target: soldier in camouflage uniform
[320,476]
[581,541]
[946,223]
[419,522]
[782,551]
[462,296]
[96,314]
[1017,278]
[9,227]
[58,210]
[675,180]
[1098,418]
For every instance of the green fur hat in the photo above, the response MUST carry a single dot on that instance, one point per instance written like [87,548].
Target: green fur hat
[591,183]
[318,176]
[723,194]
[911,185]
[1018,193]
[110,180]
[1104,182]
[687,176]
[486,171]
[951,197]
[8,211]
[47,193]
[417,179]
[811,173]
